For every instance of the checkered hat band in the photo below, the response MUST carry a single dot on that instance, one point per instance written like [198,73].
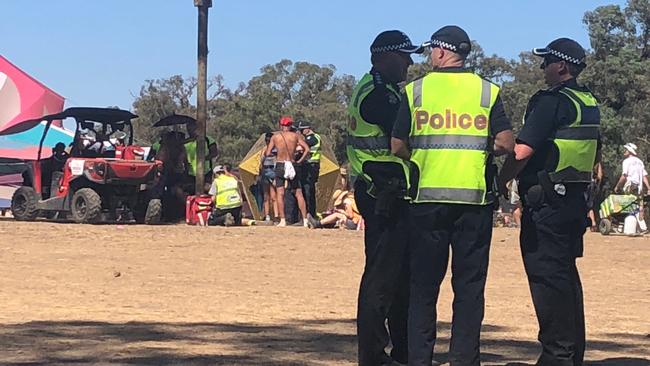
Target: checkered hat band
[442,44]
[564,57]
[393,47]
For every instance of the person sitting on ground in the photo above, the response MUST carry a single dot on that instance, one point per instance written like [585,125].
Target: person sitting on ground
[227,199]
[345,214]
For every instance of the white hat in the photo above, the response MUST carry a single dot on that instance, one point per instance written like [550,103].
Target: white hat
[218,169]
[631,148]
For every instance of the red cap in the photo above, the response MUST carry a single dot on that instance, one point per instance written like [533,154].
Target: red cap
[286,121]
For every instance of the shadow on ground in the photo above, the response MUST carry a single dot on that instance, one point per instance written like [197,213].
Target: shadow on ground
[311,342]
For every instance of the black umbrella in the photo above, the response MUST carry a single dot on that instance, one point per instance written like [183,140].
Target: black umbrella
[174,119]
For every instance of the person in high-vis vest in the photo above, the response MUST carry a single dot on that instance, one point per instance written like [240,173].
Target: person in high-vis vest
[227,198]
[312,166]
[381,181]
[450,125]
[556,150]
[211,153]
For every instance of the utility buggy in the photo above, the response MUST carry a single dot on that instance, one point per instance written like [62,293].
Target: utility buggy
[104,178]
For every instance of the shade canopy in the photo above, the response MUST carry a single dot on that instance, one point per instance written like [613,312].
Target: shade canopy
[23,98]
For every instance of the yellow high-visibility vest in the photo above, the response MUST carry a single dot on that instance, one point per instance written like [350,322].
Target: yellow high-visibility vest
[577,143]
[227,195]
[450,129]
[366,141]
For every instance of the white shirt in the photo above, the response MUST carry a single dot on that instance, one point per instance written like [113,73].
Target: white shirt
[634,171]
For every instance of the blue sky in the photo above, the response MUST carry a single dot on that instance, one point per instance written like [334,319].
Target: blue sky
[98,53]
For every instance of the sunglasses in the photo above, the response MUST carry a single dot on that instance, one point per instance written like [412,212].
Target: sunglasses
[549,60]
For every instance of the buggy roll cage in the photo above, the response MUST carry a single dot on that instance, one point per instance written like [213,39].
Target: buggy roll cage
[85,117]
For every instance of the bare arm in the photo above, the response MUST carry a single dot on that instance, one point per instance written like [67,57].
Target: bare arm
[305,151]
[599,171]
[514,164]
[504,143]
[400,148]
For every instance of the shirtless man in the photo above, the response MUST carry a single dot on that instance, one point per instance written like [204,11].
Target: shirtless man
[286,142]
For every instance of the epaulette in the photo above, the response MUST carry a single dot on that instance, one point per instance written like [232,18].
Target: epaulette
[377,80]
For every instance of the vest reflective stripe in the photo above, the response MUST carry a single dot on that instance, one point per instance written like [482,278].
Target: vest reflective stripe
[451,194]
[578,133]
[577,143]
[457,142]
[227,192]
[486,93]
[369,143]
[315,150]
[417,93]
[449,136]
[365,141]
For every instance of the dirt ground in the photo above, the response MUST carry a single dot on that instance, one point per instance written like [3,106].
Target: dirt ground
[179,295]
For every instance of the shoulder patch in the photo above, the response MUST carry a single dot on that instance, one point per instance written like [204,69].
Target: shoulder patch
[392,98]
[377,80]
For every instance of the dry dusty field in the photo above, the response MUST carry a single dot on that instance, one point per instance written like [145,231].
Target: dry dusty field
[178,295]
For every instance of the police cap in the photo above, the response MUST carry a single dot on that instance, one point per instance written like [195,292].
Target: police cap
[452,38]
[303,125]
[564,49]
[394,41]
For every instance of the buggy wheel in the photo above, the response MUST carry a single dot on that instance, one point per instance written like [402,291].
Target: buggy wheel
[605,226]
[154,212]
[86,206]
[24,204]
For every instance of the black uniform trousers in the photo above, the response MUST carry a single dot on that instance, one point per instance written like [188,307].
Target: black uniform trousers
[309,186]
[218,216]
[551,240]
[383,293]
[468,229]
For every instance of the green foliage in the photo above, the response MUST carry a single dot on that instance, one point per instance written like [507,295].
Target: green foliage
[237,118]
[618,73]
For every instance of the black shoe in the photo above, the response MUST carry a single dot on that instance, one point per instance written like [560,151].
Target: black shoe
[312,222]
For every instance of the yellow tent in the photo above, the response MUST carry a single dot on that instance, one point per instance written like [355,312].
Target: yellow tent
[249,169]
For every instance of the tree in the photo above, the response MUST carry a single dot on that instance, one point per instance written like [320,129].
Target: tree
[236,118]
[619,75]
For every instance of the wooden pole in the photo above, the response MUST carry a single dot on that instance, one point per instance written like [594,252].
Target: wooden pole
[202,92]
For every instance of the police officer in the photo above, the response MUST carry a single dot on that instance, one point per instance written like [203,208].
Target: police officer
[450,124]
[554,156]
[380,186]
[312,166]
